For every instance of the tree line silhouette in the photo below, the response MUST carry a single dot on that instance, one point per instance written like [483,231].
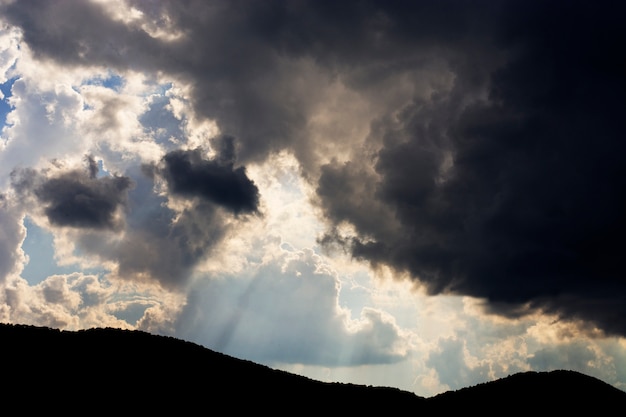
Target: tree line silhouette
[126,372]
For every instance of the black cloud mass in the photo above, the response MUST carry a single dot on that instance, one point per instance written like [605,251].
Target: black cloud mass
[519,199]
[77,198]
[72,200]
[216,180]
[506,182]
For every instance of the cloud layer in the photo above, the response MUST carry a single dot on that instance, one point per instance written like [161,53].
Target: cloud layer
[471,149]
[493,180]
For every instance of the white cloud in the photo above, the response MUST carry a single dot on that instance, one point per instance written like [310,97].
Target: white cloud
[297,289]
[12,234]
[451,362]
[63,114]
[9,50]
[78,301]
[43,127]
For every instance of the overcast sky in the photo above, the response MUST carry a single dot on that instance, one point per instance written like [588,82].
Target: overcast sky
[418,194]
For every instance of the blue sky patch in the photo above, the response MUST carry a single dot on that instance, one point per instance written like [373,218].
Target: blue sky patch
[5,107]
[39,246]
[113,82]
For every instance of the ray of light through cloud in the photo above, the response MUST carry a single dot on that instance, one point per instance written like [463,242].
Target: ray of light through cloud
[385,193]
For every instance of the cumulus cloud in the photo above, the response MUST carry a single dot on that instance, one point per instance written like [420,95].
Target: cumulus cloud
[80,200]
[42,126]
[514,194]
[158,243]
[483,182]
[452,367]
[296,289]
[12,234]
[77,198]
[170,232]
[121,222]
[578,355]
[76,301]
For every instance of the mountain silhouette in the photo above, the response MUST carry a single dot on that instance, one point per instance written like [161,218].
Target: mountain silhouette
[106,370]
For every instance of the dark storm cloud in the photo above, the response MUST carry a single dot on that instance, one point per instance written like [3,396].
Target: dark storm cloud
[528,209]
[251,63]
[77,198]
[79,33]
[507,185]
[216,180]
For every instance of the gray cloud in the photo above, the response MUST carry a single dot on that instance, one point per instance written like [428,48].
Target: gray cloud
[78,202]
[152,243]
[159,244]
[451,366]
[77,198]
[255,68]
[166,245]
[576,355]
[584,357]
[167,249]
[82,33]
[216,180]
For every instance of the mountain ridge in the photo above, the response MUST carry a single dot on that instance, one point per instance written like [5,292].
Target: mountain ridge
[163,373]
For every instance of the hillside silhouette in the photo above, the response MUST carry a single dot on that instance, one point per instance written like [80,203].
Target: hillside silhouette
[111,370]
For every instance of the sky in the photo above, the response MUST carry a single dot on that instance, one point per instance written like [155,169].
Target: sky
[422,195]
